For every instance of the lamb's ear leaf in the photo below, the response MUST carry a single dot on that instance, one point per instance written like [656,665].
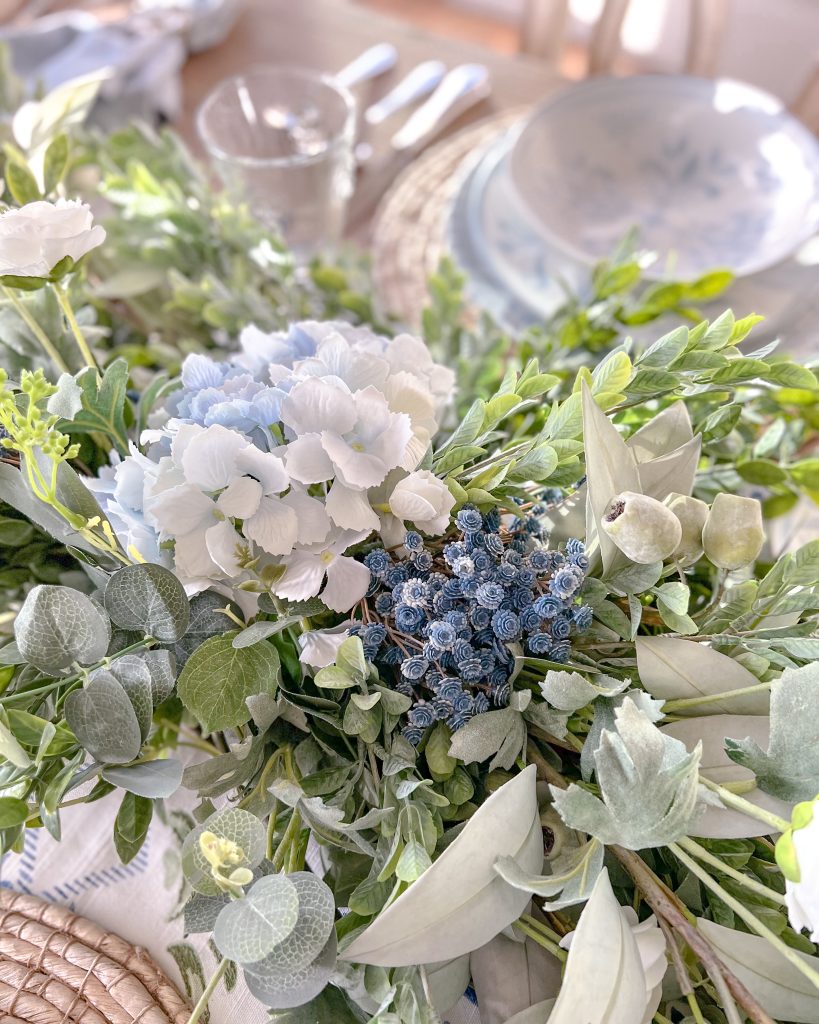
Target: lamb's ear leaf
[672,473]
[711,731]
[649,786]
[790,768]
[771,979]
[460,903]
[508,975]
[610,469]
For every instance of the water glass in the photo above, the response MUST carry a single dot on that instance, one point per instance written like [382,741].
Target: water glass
[281,140]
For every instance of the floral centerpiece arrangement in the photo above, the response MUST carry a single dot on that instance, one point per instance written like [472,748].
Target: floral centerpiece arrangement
[497,688]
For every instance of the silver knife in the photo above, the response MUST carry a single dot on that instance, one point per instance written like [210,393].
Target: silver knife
[460,89]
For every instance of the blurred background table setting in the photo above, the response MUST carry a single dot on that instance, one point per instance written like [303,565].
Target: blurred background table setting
[432,128]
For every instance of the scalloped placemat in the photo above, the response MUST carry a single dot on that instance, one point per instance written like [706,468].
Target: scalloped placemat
[59,968]
[412,221]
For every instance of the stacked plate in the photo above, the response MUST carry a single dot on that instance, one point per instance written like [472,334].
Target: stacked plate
[710,173]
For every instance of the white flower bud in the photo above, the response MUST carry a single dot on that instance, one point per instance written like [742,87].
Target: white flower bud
[692,514]
[644,529]
[733,534]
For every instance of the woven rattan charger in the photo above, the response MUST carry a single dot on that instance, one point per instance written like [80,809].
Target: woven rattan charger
[58,968]
[410,233]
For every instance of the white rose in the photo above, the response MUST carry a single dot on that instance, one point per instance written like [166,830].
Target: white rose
[35,238]
[797,853]
[423,500]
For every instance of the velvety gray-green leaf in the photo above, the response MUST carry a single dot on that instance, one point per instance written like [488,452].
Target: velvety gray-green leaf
[154,779]
[789,770]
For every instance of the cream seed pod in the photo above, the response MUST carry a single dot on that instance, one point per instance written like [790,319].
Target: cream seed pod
[644,529]
[733,536]
[692,514]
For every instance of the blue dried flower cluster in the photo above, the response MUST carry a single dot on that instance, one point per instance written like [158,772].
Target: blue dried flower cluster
[440,619]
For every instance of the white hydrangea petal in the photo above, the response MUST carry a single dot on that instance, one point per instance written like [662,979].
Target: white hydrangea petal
[315,404]
[274,527]
[393,443]
[200,371]
[209,458]
[225,547]
[302,577]
[181,510]
[392,531]
[192,559]
[415,451]
[343,540]
[347,583]
[319,647]
[240,499]
[307,461]
[356,468]
[266,467]
[314,523]
[350,509]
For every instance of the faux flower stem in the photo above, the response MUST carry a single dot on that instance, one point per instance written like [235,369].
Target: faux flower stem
[745,915]
[76,330]
[684,703]
[662,902]
[45,342]
[752,884]
[210,988]
[739,803]
[290,836]
[541,940]
[70,680]
[694,1006]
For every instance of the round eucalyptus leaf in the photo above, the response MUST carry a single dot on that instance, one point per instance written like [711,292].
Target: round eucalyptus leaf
[103,719]
[135,678]
[207,619]
[150,598]
[283,988]
[57,626]
[162,670]
[240,827]
[247,929]
[317,911]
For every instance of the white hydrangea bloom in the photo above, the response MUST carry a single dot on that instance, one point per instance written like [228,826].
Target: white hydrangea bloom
[295,450]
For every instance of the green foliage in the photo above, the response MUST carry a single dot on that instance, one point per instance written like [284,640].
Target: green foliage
[218,678]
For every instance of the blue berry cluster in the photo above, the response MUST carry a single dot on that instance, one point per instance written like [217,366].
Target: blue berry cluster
[439,621]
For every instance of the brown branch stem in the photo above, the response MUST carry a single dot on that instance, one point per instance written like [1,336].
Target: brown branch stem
[668,908]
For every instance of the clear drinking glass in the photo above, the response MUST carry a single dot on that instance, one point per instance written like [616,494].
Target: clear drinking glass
[281,140]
